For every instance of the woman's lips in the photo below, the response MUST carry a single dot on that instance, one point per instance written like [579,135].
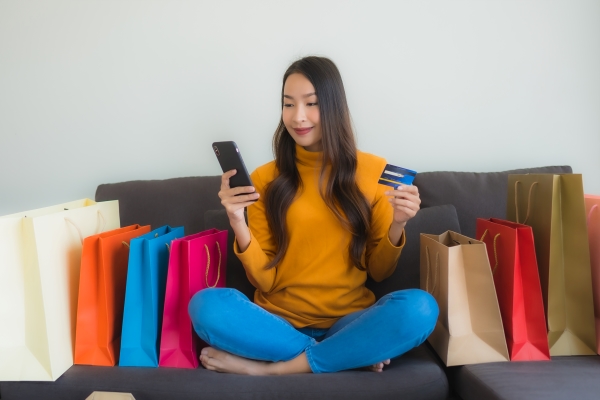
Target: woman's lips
[302,131]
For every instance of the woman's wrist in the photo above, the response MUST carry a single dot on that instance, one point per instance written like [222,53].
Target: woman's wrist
[242,234]
[395,232]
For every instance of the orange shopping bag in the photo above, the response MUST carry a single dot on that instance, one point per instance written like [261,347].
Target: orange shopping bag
[592,209]
[102,294]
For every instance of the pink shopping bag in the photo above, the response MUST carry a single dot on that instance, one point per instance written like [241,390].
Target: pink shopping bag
[592,208]
[196,262]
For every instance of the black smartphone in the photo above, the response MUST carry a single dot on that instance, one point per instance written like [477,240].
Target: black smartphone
[229,157]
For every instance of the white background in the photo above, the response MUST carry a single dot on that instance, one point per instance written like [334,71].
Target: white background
[95,92]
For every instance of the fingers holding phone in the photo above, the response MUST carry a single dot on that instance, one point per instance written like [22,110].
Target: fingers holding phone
[236,199]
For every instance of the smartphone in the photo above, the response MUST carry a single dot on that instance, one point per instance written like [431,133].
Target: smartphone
[229,157]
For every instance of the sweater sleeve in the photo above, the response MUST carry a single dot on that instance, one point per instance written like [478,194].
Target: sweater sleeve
[381,255]
[262,247]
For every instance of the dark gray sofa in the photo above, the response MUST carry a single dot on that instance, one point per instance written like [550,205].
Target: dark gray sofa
[450,201]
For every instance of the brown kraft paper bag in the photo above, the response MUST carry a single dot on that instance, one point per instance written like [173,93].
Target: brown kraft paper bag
[455,269]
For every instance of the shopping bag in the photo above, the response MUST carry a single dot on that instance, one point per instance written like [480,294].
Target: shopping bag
[40,257]
[196,262]
[101,295]
[511,252]
[456,271]
[553,206]
[592,209]
[110,396]
[145,296]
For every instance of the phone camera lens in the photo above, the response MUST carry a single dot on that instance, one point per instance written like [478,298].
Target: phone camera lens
[216,151]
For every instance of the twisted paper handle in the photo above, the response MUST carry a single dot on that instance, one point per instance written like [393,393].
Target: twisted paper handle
[79,230]
[208,266]
[528,202]
[495,252]
[435,275]
[589,216]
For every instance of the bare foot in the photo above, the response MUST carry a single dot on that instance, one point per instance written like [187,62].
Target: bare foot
[378,367]
[221,361]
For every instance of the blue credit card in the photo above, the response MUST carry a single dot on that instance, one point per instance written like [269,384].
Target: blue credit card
[394,176]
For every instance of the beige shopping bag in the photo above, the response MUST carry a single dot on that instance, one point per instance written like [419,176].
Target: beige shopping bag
[553,206]
[455,269]
[110,396]
[40,257]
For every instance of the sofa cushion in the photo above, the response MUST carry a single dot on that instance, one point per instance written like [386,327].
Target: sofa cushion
[434,220]
[415,375]
[475,195]
[174,202]
[564,377]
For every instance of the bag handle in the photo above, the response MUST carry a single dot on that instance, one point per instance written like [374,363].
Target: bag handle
[208,266]
[589,216]
[435,275]
[155,235]
[528,202]
[495,252]
[79,230]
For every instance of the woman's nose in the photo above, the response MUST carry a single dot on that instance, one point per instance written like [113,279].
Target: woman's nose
[299,115]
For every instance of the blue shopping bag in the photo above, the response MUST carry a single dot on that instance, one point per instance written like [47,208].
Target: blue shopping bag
[145,296]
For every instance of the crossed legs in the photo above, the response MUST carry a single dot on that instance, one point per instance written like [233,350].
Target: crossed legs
[246,339]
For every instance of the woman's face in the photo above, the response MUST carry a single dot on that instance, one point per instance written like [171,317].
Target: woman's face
[301,112]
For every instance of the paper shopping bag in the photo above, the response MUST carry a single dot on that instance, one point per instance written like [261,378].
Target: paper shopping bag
[553,206]
[40,257]
[101,295]
[592,209]
[511,252]
[456,271]
[196,262]
[145,296]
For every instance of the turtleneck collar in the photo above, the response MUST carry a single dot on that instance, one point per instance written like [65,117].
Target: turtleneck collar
[309,158]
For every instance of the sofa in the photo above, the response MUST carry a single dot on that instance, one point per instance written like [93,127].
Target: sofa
[450,201]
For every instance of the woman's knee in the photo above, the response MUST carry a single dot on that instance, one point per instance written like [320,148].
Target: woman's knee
[418,306]
[427,308]
[207,307]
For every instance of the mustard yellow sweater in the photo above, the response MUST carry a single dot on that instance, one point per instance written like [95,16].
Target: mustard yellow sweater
[315,284]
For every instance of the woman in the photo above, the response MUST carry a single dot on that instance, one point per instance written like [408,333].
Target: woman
[319,223]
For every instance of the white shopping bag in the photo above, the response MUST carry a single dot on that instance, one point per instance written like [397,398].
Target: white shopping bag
[40,257]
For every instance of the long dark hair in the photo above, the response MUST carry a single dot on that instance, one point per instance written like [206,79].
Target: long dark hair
[340,192]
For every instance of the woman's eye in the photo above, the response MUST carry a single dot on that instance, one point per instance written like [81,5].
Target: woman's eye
[288,105]
[313,104]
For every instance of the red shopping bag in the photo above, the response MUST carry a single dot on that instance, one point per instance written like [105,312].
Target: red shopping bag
[196,262]
[511,251]
[592,208]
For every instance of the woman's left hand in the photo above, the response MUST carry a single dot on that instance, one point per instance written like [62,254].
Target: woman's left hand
[405,203]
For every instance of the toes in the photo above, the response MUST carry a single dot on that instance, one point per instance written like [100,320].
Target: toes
[208,351]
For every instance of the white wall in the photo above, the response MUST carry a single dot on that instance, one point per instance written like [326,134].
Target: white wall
[105,91]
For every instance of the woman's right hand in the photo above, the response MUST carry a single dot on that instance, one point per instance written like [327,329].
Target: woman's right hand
[235,205]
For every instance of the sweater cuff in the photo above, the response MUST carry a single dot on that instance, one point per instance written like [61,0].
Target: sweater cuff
[253,254]
[402,240]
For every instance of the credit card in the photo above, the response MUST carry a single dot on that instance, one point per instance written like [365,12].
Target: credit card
[394,176]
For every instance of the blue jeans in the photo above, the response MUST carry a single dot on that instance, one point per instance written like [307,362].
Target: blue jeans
[225,319]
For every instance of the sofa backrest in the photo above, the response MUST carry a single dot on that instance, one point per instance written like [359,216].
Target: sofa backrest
[450,201]
[175,202]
